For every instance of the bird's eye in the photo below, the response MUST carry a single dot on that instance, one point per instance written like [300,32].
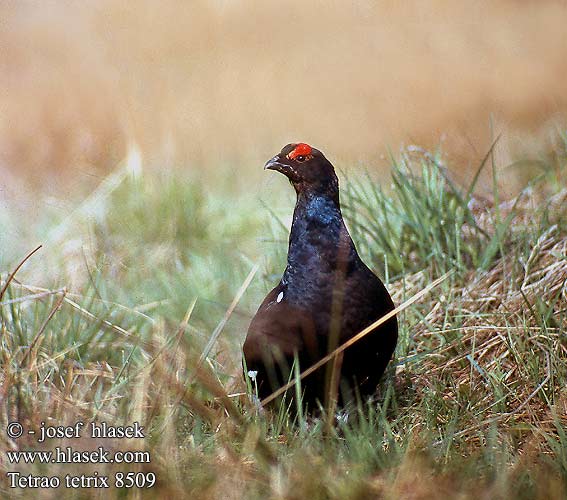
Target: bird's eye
[300,158]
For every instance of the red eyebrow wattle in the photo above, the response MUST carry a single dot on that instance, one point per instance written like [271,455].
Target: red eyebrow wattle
[301,149]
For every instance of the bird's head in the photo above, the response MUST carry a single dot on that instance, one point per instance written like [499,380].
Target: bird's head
[306,168]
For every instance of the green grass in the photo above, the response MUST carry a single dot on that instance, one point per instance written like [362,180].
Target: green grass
[109,320]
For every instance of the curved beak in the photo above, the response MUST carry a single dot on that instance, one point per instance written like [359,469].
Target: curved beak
[276,164]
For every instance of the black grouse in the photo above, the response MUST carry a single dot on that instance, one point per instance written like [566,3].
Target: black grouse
[326,294]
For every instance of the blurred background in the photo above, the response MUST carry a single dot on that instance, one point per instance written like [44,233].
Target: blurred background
[201,84]
[207,91]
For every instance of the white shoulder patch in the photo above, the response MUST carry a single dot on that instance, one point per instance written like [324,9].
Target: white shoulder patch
[280,297]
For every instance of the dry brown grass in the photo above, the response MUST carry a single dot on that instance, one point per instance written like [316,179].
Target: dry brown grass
[204,83]
[490,332]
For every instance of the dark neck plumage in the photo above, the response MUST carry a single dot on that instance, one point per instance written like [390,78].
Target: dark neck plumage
[317,209]
[318,233]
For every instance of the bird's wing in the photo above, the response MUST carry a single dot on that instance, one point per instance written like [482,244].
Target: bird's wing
[279,326]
